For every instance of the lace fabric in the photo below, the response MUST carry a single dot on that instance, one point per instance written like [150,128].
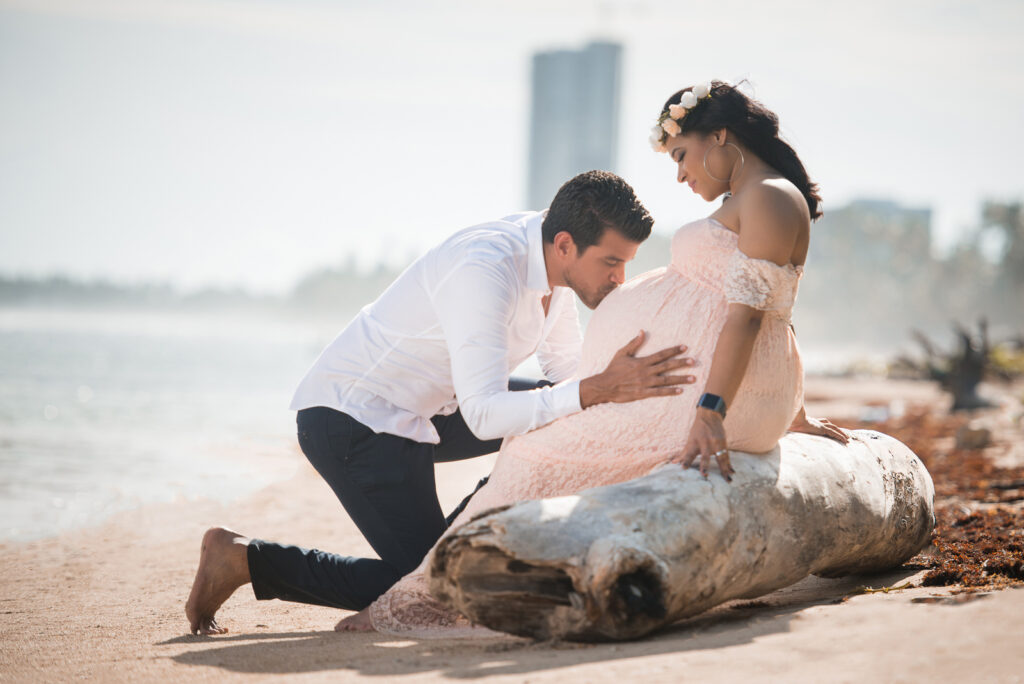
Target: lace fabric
[408,609]
[761,284]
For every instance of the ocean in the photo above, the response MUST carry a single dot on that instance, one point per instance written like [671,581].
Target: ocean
[104,411]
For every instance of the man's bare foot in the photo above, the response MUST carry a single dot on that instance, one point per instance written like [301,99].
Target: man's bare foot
[360,622]
[223,567]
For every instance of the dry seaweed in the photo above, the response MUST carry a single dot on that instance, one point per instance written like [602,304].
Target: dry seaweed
[979,533]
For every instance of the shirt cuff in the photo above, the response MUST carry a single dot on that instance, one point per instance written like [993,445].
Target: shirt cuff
[565,398]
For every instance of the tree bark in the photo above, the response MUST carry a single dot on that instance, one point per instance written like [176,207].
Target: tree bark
[617,562]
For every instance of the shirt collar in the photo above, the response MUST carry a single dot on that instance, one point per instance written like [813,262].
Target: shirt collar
[536,270]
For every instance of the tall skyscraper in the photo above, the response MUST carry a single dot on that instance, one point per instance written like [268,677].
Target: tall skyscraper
[574,121]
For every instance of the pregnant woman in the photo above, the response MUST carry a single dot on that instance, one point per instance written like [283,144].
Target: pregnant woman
[729,291]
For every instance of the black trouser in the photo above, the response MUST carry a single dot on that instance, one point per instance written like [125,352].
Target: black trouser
[386,484]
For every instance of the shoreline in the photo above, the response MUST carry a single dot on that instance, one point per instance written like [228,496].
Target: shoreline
[853,393]
[107,603]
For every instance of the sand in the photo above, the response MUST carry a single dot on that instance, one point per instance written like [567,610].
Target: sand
[107,604]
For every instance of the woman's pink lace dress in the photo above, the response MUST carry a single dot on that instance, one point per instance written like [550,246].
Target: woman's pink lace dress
[684,303]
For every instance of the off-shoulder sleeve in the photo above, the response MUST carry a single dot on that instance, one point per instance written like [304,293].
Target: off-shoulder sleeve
[760,284]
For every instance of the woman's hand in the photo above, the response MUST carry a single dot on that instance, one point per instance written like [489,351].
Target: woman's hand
[707,439]
[813,426]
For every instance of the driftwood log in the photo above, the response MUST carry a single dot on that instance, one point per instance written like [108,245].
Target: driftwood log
[961,372]
[617,562]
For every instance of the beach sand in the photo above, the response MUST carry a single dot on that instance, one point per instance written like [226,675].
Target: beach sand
[107,604]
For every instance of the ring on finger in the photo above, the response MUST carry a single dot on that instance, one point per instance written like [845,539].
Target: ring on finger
[720,452]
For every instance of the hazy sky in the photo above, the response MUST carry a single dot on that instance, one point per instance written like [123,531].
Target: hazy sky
[247,142]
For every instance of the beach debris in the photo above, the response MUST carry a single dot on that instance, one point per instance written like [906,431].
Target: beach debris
[620,561]
[953,600]
[960,372]
[980,549]
[978,540]
[968,437]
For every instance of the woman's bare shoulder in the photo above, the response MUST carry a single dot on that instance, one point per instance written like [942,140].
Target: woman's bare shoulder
[775,196]
[772,216]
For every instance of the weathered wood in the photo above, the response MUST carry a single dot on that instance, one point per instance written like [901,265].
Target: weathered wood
[960,373]
[617,562]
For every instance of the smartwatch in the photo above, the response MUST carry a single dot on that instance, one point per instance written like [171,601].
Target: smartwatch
[713,402]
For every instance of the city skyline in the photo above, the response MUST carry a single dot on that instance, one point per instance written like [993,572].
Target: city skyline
[219,144]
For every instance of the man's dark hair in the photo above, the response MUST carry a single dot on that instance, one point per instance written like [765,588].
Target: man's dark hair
[590,203]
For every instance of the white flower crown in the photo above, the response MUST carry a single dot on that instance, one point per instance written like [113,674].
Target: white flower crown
[669,123]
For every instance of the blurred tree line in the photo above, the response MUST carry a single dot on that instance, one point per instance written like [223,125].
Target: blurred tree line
[873,281]
[325,291]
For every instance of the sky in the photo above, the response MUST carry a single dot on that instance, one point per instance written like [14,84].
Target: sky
[245,143]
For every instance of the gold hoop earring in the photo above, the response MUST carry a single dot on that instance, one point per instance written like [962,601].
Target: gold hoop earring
[723,180]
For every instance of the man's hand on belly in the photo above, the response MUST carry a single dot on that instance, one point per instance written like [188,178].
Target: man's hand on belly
[629,377]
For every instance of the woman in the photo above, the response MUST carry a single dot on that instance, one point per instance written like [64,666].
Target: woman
[729,291]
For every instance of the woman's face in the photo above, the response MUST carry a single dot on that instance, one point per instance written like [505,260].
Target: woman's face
[688,151]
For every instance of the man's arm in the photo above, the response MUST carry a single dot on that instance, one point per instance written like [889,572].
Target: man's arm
[475,305]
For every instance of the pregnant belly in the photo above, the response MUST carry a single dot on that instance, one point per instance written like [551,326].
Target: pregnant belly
[615,441]
[667,307]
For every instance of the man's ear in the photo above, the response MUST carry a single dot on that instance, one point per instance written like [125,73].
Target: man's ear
[564,245]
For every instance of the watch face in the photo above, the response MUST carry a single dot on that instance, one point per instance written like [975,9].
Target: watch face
[712,402]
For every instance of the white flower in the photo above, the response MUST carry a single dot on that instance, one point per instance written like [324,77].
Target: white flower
[676,111]
[688,99]
[701,90]
[657,130]
[656,144]
[671,127]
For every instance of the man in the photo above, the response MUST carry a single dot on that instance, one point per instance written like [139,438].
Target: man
[422,375]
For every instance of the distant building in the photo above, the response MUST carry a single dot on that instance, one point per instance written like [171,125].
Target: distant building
[870,276]
[574,121]
[867,236]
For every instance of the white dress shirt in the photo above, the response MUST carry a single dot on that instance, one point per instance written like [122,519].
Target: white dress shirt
[448,333]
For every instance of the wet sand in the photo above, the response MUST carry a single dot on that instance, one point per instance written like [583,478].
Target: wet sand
[108,604]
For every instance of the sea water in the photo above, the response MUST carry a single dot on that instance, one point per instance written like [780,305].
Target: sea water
[106,411]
